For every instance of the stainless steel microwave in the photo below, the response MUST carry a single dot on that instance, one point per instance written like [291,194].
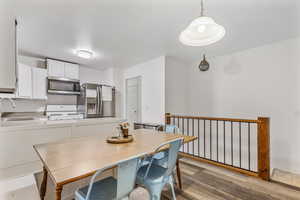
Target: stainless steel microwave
[58,85]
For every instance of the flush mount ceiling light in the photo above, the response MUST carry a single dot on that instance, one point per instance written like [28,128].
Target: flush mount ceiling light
[84,54]
[202,31]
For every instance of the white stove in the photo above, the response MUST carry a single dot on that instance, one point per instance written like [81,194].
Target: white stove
[63,112]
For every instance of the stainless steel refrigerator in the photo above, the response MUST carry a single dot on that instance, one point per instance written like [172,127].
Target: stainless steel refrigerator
[96,100]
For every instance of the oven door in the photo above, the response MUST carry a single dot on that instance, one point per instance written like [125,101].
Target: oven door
[63,86]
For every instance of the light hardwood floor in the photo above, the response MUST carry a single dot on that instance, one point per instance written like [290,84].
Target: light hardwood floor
[205,182]
[202,181]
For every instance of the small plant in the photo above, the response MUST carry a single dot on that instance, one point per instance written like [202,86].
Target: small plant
[124,128]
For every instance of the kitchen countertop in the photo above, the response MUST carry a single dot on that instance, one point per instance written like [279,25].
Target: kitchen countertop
[45,123]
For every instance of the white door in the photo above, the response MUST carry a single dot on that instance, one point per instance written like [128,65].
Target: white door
[71,71]
[56,68]
[24,81]
[133,99]
[39,80]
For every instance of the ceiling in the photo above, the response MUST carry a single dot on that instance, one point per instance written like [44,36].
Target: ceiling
[126,32]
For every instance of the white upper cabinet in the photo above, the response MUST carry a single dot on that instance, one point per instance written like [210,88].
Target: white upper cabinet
[39,81]
[24,81]
[71,71]
[7,52]
[56,68]
[62,69]
[32,82]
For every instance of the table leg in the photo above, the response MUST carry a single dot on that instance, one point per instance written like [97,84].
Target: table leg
[178,174]
[44,184]
[58,192]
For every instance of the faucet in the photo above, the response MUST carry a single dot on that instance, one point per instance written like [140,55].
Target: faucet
[12,102]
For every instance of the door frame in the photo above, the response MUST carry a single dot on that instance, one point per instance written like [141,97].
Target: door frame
[139,78]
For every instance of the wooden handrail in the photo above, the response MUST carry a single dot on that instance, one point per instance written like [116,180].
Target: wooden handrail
[212,118]
[263,141]
[263,147]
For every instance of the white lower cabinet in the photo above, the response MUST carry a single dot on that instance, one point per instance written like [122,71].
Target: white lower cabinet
[16,147]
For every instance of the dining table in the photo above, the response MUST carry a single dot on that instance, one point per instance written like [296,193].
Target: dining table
[73,159]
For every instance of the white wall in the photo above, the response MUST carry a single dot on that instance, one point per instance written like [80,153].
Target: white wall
[176,86]
[153,88]
[263,81]
[118,83]
[91,75]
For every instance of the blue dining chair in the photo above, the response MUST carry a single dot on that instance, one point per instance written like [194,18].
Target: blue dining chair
[171,128]
[111,188]
[161,157]
[154,177]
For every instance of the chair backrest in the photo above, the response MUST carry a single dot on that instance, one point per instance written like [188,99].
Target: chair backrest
[125,178]
[172,155]
[171,128]
[173,149]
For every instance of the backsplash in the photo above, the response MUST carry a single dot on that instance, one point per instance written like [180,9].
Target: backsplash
[61,99]
[23,105]
[29,105]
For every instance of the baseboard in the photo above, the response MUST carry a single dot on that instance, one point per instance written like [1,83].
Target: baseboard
[285,177]
[279,176]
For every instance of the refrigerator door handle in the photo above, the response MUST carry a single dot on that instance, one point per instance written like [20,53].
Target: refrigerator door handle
[101,102]
[97,100]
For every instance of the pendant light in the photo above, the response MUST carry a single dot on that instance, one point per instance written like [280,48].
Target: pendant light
[202,31]
[204,65]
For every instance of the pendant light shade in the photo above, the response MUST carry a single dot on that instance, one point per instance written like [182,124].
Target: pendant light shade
[202,31]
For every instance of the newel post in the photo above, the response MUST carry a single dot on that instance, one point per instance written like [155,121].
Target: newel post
[168,118]
[263,140]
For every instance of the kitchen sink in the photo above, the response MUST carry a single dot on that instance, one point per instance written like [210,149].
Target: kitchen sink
[17,119]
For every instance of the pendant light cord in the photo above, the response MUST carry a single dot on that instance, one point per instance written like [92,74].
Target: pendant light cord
[202,8]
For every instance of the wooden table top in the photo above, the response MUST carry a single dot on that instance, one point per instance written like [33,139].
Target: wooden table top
[73,159]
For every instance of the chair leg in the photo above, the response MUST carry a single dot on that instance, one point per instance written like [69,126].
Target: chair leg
[174,177]
[155,196]
[178,174]
[155,192]
[171,183]
[43,187]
